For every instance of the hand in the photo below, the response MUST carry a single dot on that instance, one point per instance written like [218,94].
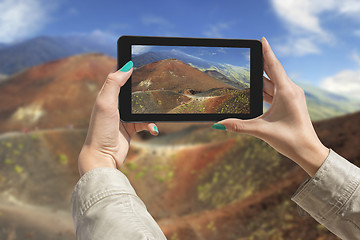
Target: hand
[108,139]
[286,126]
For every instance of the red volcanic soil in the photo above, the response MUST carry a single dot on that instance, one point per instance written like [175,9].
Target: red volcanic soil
[56,94]
[215,102]
[173,74]
[266,213]
[342,134]
[188,165]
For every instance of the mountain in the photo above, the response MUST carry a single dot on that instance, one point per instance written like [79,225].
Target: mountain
[217,75]
[151,56]
[3,78]
[198,183]
[323,104]
[173,74]
[205,183]
[38,172]
[19,56]
[56,94]
[172,86]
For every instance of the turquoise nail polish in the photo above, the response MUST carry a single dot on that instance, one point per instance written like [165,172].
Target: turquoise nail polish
[127,66]
[156,130]
[219,126]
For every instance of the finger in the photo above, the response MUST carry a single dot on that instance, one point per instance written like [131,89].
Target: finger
[272,66]
[109,93]
[250,127]
[151,127]
[267,98]
[268,86]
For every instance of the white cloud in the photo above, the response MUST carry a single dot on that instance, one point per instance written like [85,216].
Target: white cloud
[356,57]
[304,22]
[140,49]
[299,15]
[103,35]
[298,47]
[346,82]
[349,8]
[215,30]
[22,18]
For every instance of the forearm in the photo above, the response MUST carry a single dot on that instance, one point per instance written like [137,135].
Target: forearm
[105,206]
[332,196]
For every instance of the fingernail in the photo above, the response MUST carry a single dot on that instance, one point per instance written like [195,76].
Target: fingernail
[219,126]
[156,130]
[265,40]
[127,66]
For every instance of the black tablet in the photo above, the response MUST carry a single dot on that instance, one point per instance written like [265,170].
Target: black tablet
[190,79]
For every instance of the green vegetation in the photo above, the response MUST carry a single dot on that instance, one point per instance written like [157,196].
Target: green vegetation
[8,144]
[139,175]
[160,178]
[34,136]
[9,162]
[238,102]
[131,165]
[63,159]
[174,237]
[235,179]
[18,169]
[211,226]
[16,152]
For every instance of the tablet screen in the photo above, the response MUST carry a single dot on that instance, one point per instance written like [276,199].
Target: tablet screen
[190,80]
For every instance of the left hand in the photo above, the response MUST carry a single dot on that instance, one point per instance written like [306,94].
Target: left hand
[108,139]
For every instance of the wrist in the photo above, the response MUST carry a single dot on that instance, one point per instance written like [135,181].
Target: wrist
[91,158]
[312,157]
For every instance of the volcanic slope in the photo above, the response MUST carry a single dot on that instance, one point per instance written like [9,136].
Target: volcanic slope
[174,75]
[171,86]
[56,94]
[208,184]
[38,171]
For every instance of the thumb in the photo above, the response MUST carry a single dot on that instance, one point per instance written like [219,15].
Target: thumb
[251,127]
[110,90]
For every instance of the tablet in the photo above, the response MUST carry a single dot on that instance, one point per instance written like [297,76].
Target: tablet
[190,79]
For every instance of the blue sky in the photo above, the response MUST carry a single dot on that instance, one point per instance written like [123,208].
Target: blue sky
[224,55]
[317,41]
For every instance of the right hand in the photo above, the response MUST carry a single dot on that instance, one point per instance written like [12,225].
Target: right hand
[286,126]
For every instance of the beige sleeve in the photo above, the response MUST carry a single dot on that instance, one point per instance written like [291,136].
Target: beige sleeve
[104,205]
[332,196]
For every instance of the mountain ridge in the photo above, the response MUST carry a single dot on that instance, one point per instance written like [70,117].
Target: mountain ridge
[19,56]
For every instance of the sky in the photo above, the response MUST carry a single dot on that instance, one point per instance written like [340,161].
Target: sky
[317,41]
[223,55]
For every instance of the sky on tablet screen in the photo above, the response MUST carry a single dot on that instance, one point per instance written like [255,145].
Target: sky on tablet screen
[317,41]
[224,55]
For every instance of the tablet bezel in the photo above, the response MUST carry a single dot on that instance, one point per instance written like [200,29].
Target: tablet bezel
[124,44]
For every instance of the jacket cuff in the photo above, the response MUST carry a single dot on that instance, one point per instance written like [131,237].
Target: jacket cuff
[329,189]
[96,185]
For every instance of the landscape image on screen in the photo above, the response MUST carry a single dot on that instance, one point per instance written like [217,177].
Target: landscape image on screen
[190,80]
